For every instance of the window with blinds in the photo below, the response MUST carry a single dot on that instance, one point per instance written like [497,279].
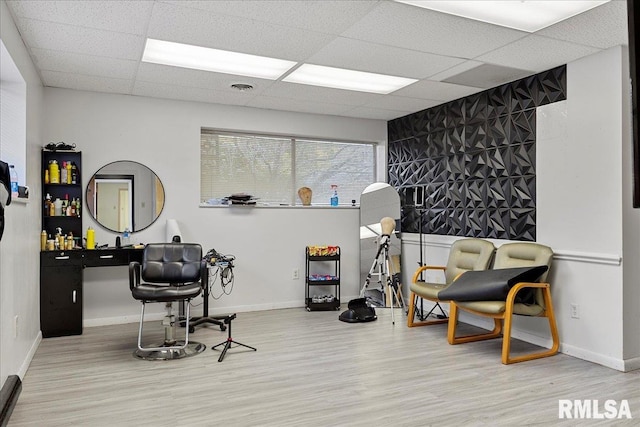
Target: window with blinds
[272,168]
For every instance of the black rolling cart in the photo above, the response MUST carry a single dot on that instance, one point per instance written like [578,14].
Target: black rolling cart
[322,272]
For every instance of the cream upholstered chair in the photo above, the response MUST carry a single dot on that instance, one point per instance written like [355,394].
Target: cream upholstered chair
[465,255]
[511,255]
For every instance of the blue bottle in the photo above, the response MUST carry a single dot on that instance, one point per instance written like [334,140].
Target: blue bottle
[126,237]
[14,181]
[334,198]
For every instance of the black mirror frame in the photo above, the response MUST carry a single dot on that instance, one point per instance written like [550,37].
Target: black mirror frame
[89,197]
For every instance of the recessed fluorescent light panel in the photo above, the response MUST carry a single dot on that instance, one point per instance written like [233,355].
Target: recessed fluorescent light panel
[218,61]
[338,78]
[525,15]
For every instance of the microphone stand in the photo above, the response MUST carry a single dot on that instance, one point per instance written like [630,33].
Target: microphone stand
[420,311]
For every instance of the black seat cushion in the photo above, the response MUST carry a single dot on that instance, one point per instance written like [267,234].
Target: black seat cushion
[492,285]
[164,293]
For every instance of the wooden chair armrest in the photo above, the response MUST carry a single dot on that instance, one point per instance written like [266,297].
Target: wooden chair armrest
[426,267]
[511,296]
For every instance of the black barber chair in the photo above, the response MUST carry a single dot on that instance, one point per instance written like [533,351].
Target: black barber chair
[171,272]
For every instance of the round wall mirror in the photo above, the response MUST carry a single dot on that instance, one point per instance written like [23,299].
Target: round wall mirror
[125,195]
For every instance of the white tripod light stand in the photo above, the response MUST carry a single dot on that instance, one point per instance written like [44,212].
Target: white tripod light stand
[381,267]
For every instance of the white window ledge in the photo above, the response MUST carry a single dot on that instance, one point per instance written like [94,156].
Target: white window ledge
[271,206]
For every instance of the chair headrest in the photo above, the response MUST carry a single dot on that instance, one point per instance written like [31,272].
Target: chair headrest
[468,255]
[171,262]
[523,254]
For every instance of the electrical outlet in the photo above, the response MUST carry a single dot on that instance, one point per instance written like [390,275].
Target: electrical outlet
[15,326]
[295,275]
[575,311]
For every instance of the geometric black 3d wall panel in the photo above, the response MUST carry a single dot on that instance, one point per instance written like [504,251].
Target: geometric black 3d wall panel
[467,167]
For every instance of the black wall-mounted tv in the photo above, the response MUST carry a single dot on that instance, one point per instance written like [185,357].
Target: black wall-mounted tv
[633,12]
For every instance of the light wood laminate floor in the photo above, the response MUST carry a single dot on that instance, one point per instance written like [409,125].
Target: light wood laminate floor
[310,370]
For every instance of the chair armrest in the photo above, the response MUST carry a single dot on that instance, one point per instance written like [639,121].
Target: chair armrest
[204,273]
[426,267]
[511,296]
[134,274]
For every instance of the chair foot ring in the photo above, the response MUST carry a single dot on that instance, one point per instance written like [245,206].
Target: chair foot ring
[191,349]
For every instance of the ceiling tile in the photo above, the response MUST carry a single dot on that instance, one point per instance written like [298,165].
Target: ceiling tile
[537,53]
[603,26]
[88,83]
[302,92]
[425,30]
[325,16]
[383,59]
[159,90]
[197,27]
[436,91]
[120,16]
[77,39]
[401,103]
[165,74]
[67,62]
[486,76]
[302,106]
[457,69]
[375,113]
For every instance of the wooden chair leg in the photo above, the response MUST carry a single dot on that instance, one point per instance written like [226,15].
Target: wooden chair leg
[546,292]
[506,337]
[412,312]
[412,309]
[451,332]
[506,344]
[453,322]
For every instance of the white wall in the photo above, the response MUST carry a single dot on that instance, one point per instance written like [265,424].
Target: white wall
[165,135]
[19,248]
[583,165]
[631,227]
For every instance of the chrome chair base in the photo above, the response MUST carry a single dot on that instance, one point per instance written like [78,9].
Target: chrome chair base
[170,353]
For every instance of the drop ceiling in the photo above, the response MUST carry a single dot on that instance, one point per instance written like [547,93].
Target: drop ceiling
[98,45]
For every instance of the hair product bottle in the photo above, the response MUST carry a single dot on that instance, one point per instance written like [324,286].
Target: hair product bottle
[334,198]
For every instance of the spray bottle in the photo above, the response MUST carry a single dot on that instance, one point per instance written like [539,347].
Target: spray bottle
[334,198]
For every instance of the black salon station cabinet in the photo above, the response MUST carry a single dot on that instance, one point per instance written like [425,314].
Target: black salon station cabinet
[61,278]
[61,270]
[60,293]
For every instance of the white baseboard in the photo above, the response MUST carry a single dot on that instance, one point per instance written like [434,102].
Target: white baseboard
[632,364]
[134,318]
[119,320]
[580,353]
[27,360]
[255,307]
